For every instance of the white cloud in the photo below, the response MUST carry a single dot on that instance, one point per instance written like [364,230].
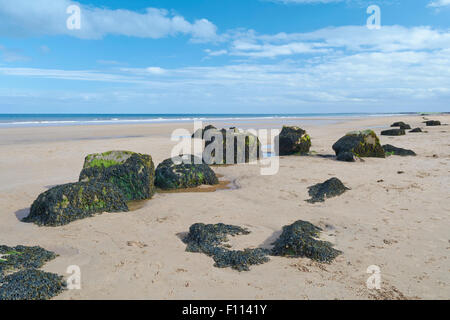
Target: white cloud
[48,17]
[439,3]
[346,38]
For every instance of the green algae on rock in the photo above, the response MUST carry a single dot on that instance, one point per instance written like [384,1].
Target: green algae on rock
[391,150]
[360,143]
[292,141]
[68,202]
[242,147]
[132,173]
[31,284]
[208,239]
[191,172]
[330,188]
[298,240]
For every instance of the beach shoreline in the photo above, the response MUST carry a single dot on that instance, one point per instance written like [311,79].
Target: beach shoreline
[398,222]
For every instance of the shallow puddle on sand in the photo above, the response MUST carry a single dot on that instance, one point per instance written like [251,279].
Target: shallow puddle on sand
[223,185]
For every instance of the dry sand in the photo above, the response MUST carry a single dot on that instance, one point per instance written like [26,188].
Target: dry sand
[400,224]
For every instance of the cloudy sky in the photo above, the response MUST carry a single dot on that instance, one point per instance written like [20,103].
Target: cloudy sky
[224,56]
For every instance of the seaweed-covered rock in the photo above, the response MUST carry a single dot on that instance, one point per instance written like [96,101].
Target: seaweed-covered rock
[416,130]
[243,147]
[431,123]
[298,240]
[330,188]
[346,157]
[68,202]
[31,284]
[360,143]
[133,173]
[201,132]
[402,125]
[391,150]
[293,140]
[23,257]
[208,239]
[393,132]
[190,173]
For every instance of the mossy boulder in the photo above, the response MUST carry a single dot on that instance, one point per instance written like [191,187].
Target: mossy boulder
[298,240]
[243,147]
[431,123]
[190,173]
[132,173]
[359,143]
[209,239]
[68,202]
[331,188]
[293,141]
[391,150]
[393,132]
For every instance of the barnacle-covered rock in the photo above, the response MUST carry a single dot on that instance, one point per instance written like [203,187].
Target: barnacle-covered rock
[431,123]
[293,140]
[360,143]
[391,150]
[191,172]
[68,202]
[416,130]
[242,147]
[330,188]
[208,239]
[201,132]
[298,240]
[23,257]
[132,173]
[393,132]
[31,284]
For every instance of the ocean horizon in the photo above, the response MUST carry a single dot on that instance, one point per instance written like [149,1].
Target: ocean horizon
[66,119]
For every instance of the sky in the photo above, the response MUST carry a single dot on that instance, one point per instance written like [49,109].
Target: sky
[224,56]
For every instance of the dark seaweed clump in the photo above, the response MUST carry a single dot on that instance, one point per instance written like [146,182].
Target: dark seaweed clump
[22,257]
[297,240]
[431,123]
[391,150]
[31,284]
[208,239]
[330,188]
[19,277]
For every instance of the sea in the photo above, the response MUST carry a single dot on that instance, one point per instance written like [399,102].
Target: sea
[35,120]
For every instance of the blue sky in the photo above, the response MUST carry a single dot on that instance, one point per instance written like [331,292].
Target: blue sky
[224,56]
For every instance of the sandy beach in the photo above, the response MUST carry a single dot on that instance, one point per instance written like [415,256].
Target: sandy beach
[397,221]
